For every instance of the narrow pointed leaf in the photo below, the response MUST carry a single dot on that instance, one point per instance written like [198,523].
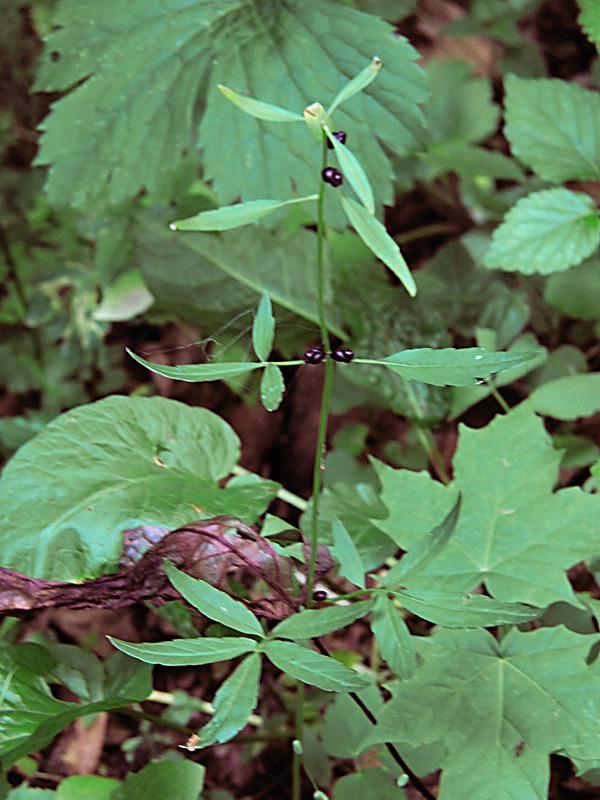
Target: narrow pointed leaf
[236,216]
[353,172]
[320,621]
[357,84]
[263,328]
[345,550]
[234,702]
[309,667]
[272,387]
[316,118]
[195,373]
[448,366]
[259,109]
[214,603]
[393,638]
[419,556]
[454,610]
[377,239]
[187,652]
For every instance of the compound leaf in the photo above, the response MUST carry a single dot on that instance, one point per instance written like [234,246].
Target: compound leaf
[319,621]
[309,667]
[351,565]
[184,652]
[393,638]
[500,708]
[554,127]
[545,232]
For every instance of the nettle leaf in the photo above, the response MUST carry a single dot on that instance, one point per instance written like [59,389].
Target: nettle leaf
[272,387]
[234,701]
[545,232]
[68,495]
[500,708]
[554,127]
[569,397]
[196,373]
[214,603]
[589,19]
[263,328]
[377,239]
[448,366]
[187,652]
[319,621]
[393,637]
[309,667]
[132,106]
[514,534]
[351,565]
[229,217]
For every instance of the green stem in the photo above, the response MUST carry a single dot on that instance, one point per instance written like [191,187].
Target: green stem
[283,494]
[497,396]
[297,756]
[435,229]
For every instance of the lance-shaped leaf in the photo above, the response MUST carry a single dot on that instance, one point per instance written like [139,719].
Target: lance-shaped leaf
[345,550]
[418,558]
[214,603]
[453,610]
[448,366]
[272,387]
[357,84]
[319,621]
[259,109]
[309,667]
[393,637]
[234,702]
[353,172]
[187,652]
[263,328]
[377,239]
[228,217]
[194,373]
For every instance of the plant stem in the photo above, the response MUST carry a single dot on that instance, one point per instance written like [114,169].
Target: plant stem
[435,229]
[297,756]
[319,462]
[282,494]
[425,436]
[497,396]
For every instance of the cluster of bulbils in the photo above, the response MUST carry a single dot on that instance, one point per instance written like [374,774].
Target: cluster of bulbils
[341,354]
[331,175]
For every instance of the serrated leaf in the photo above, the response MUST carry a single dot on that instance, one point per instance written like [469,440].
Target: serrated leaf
[353,172]
[234,702]
[377,239]
[236,216]
[514,534]
[569,397]
[183,652]
[453,610]
[317,622]
[214,603]
[346,553]
[260,109]
[448,366]
[309,667]
[545,232]
[272,387]
[357,84]
[589,19]
[194,373]
[393,638]
[500,708]
[178,780]
[263,328]
[133,103]
[414,562]
[68,495]
[554,127]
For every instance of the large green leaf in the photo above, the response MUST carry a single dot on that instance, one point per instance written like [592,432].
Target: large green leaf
[514,535]
[309,667]
[448,366]
[184,652]
[568,397]
[577,292]
[554,127]
[133,104]
[68,495]
[545,232]
[177,780]
[500,708]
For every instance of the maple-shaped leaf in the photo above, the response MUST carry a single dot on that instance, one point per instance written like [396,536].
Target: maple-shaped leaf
[514,534]
[140,72]
[500,708]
